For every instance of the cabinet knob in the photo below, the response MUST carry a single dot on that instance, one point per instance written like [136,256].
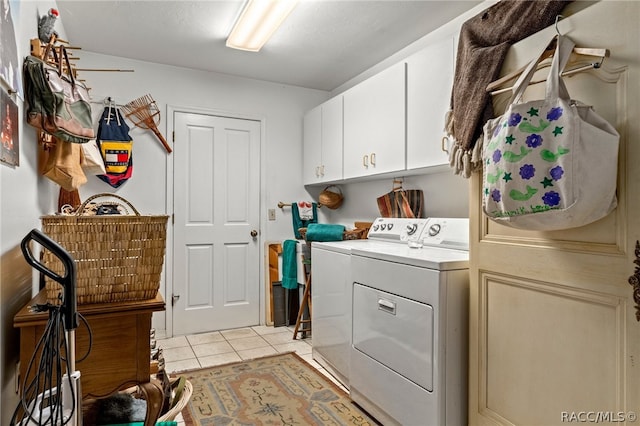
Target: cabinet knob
[365,161]
[373,158]
[254,233]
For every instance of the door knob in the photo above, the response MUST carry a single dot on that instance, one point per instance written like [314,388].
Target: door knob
[254,233]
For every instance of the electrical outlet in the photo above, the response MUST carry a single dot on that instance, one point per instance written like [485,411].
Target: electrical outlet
[272,214]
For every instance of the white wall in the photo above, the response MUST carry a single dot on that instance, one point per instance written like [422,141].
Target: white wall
[280,107]
[445,195]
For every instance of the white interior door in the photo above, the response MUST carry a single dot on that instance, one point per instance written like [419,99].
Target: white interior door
[216,207]
[553,329]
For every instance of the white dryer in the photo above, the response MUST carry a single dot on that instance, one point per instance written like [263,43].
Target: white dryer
[332,290]
[409,343]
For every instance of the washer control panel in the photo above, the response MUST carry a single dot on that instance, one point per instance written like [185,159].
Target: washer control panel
[396,229]
[429,232]
[447,233]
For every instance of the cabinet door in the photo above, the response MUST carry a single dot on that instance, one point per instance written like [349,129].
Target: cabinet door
[331,165]
[374,124]
[429,83]
[312,146]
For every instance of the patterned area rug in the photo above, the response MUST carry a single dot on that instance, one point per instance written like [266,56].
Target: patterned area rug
[281,389]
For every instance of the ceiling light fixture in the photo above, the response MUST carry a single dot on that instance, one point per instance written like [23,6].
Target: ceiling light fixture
[257,23]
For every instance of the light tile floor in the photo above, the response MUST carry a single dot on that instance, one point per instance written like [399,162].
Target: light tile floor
[222,347]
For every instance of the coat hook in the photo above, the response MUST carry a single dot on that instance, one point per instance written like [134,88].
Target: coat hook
[558,17]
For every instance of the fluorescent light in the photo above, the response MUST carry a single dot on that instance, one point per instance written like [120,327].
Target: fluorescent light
[257,23]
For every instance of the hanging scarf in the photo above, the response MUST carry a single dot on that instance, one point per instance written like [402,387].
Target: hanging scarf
[484,42]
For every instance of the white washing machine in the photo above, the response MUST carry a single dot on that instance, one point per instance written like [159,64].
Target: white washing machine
[332,290]
[409,322]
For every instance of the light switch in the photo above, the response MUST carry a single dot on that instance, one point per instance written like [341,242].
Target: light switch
[272,214]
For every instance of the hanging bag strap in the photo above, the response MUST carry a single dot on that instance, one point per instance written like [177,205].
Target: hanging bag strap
[63,55]
[555,85]
[116,112]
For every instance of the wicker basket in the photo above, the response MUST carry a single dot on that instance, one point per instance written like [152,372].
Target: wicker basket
[331,199]
[176,406]
[179,405]
[118,257]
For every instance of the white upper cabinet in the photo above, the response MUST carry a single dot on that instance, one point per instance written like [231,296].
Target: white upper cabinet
[374,124]
[429,83]
[393,122]
[322,157]
[332,139]
[312,148]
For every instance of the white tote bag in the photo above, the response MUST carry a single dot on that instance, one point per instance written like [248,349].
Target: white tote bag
[549,164]
[91,159]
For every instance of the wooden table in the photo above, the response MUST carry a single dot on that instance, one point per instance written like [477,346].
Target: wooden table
[120,351]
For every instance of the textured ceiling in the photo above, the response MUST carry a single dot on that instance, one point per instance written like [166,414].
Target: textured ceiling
[321,45]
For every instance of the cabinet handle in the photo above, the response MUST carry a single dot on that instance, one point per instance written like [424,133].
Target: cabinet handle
[322,170]
[445,144]
[317,171]
[373,158]
[365,161]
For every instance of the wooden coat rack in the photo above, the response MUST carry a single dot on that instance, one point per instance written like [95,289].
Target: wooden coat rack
[45,51]
[545,61]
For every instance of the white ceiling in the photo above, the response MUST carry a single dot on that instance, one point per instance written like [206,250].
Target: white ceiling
[321,45]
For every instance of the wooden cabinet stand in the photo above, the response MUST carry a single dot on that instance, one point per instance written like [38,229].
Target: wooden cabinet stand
[120,350]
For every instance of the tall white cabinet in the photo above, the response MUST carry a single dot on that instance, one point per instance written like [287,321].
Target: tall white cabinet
[429,83]
[312,148]
[323,143]
[374,124]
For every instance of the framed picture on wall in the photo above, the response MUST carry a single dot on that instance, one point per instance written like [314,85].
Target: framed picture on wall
[10,70]
[9,136]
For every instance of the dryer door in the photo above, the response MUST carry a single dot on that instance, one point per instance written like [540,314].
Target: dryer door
[396,332]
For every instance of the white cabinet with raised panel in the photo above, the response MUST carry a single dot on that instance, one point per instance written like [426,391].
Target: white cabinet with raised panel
[312,148]
[429,82]
[374,124]
[332,139]
[322,157]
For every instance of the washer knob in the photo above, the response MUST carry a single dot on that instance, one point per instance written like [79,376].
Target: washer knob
[434,229]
